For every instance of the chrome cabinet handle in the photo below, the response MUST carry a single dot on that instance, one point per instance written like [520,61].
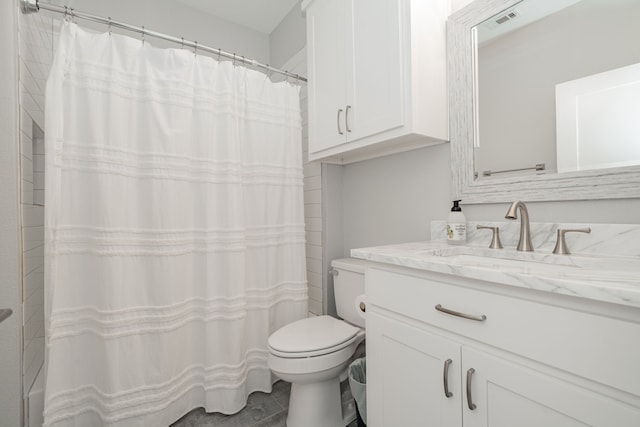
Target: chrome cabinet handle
[445,379]
[480,318]
[338,122]
[472,406]
[346,118]
[5,313]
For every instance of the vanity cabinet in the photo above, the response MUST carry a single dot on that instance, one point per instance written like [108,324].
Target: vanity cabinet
[405,375]
[377,77]
[529,362]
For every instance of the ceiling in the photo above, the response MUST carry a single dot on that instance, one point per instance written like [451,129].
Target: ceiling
[259,15]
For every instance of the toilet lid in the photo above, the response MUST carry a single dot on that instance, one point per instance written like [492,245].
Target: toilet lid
[312,334]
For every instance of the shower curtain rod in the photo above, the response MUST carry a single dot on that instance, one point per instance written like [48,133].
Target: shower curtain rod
[33,6]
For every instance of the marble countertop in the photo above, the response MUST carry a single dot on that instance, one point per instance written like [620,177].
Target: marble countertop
[614,278]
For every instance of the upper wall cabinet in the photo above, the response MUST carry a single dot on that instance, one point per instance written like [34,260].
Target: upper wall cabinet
[377,77]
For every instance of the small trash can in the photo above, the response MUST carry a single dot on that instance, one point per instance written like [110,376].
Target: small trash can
[358,384]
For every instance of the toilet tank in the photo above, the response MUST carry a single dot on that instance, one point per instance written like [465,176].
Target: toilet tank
[348,286]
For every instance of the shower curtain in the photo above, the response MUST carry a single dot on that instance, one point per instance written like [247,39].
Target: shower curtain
[174,231]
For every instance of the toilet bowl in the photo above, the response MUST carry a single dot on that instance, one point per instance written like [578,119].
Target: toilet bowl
[312,353]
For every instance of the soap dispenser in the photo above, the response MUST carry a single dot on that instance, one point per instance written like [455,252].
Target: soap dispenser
[456,225]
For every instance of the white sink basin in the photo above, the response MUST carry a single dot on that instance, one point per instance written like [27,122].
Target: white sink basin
[569,266]
[505,254]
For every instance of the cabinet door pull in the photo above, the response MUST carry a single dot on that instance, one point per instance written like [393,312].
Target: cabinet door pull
[472,406]
[346,118]
[338,122]
[480,318]
[445,375]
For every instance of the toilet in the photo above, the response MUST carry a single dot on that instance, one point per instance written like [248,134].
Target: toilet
[313,353]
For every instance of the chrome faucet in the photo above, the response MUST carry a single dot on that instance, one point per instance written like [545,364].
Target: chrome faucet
[525,233]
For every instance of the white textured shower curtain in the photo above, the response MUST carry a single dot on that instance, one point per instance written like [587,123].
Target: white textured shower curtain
[174,231]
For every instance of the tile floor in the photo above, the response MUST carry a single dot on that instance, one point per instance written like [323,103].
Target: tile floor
[262,410]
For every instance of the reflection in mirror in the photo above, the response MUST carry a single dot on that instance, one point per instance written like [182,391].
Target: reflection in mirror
[557,87]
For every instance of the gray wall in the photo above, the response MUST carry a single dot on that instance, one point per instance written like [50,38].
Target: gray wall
[288,38]
[10,284]
[394,198]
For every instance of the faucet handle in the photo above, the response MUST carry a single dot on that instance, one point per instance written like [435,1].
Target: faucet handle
[495,241]
[561,244]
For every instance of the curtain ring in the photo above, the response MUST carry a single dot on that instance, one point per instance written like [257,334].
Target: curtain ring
[244,61]
[182,44]
[66,14]
[109,26]
[195,47]
[72,16]
[219,53]
[143,35]
[234,59]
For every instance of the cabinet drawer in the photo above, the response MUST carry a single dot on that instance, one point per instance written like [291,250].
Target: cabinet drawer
[592,346]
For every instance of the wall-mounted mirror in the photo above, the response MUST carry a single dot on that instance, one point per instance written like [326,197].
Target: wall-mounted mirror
[545,100]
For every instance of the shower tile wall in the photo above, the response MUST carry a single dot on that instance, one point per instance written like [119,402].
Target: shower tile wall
[312,197]
[36,54]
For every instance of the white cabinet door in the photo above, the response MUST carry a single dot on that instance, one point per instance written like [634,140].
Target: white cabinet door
[405,376]
[327,45]
[507,394]
[375,80]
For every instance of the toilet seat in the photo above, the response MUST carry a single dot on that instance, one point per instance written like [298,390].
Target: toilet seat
[314,336]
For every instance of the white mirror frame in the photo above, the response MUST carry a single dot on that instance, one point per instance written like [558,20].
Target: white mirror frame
[614,183]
